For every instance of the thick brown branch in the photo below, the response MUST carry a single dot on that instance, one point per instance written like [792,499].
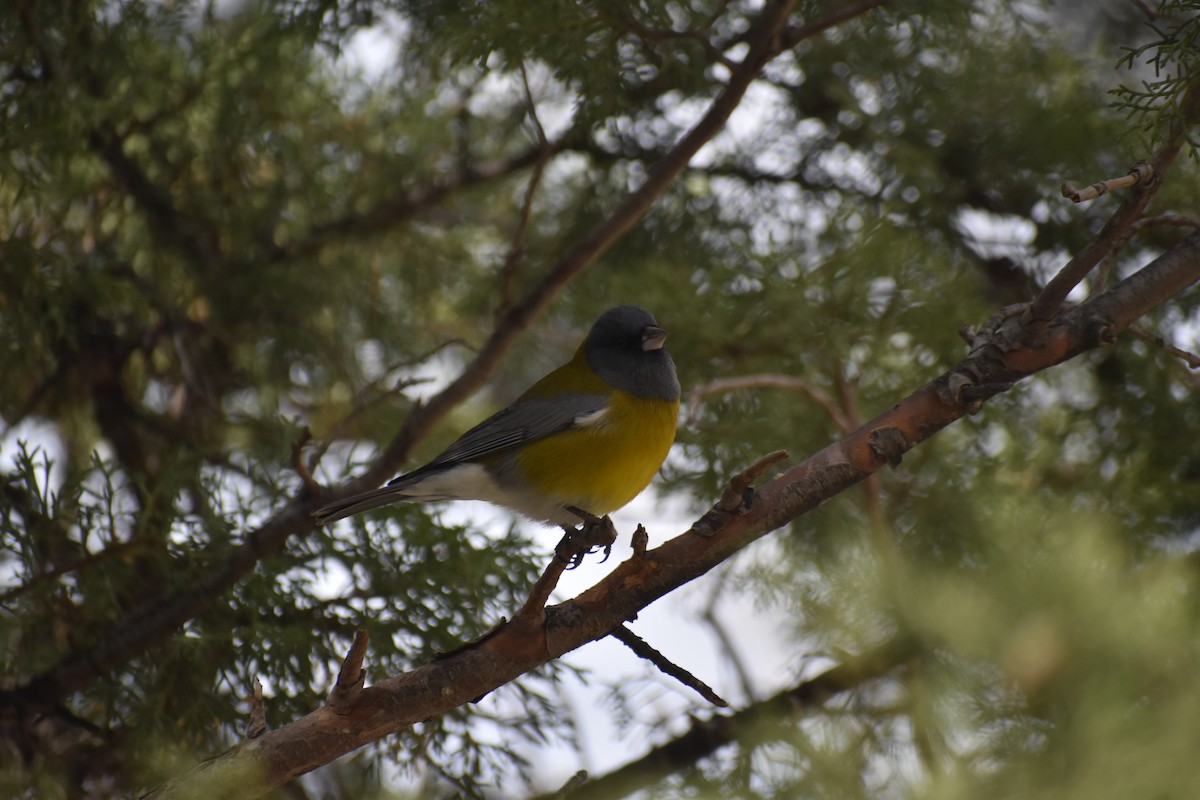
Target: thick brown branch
[513,650]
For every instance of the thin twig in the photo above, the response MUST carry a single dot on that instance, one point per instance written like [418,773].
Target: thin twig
[370,396]
[639,646]
[1189,358]
[575,544]
[534,608]
[794,35]
[464,789]
[1141,173]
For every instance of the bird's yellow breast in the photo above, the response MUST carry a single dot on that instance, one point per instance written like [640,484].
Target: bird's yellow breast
[601,466]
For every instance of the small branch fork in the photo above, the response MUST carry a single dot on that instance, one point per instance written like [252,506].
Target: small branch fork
[738,495]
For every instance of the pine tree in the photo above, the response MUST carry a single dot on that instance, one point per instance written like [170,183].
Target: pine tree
[245,269]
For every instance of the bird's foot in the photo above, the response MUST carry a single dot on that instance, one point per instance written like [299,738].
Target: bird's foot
[594,534]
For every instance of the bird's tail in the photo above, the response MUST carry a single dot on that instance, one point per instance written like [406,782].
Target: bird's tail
[395,492]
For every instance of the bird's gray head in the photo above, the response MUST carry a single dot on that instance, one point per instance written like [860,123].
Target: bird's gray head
[626,348]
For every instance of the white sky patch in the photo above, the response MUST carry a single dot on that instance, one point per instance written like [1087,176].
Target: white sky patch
[995,235]
[35,434]
[373,51]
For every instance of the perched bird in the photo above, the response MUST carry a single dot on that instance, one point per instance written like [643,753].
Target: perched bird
[587,438]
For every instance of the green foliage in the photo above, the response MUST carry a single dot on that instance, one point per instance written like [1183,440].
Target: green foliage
[219,229]
[1159,105]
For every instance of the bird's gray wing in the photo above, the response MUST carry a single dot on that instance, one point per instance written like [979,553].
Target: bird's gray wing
[524,421]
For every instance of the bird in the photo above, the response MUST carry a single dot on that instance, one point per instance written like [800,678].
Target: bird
[577,445]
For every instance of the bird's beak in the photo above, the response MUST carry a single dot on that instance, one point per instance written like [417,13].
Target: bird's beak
[653,338]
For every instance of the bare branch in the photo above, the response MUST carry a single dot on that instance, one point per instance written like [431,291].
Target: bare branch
[1191,359]
[734,497]
[643,650]
[91,559]
[404,206]
[738,496]
[1140,174]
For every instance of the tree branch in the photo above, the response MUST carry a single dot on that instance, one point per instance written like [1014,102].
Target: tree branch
[798,33]
[408,204]
[512,650]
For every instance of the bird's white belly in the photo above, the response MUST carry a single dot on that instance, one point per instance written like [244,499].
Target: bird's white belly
[468,481]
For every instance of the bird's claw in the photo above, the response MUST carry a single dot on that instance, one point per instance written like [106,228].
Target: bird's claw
[594,534]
